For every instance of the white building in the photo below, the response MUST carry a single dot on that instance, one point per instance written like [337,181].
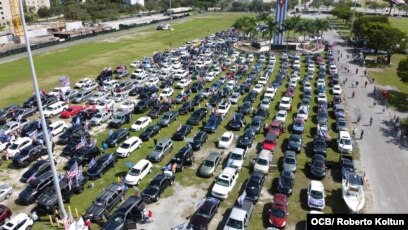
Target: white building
[5,13]
[37,4]
[133,2]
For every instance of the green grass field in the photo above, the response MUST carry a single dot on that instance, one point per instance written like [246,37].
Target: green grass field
[400,23]
[89,59]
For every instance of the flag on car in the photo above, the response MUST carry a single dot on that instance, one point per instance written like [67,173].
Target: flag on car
[32,134]
[31,178]
[69,184]
[241,198]
[68,222]
[178,227]
[79,176]
[92,163]
[73,172]
[178,129]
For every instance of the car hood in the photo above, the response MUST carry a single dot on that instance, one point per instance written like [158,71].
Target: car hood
[293,144]
[252,192]
[278,221]
[27,175]
[113,225]
[316,202]
[26,194]
[130,178]
[235,163]
[206,171]
[47,199]
[155,154]
[220,189]
[151,191]
[289,167]
[269,146]
[19,157]
[284,187]
[95,210]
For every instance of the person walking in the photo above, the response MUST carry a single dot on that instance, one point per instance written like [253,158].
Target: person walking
[356,84]
[354,131]
[353,94]
[365,84]
[361,134]
[155,141]
[371,121]
[356,71]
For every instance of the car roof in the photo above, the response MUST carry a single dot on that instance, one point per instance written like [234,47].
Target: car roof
[131,139]
[316,185]
[290,153]
[280,200]
[344,134]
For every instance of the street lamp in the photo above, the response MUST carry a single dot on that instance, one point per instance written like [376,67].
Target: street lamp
[354,13]
[42,118]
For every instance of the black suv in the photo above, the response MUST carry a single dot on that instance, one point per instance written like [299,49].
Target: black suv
[28,155]
[157,186]
[126,216]
[182,132]
[186,108]
[197,116]
[101,165]
[36,170]
[245,141]
[145,104]
[150,132]
[30,194]
[73,142]
[83,156]
[199,139]
[117,136]
[198,99]
[48,202]
[63,138]
[159,110]
[184,157]
[106,201]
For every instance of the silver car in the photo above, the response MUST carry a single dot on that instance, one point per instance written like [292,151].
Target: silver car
[209,165]
[101,117]
[289,161]
[5,191]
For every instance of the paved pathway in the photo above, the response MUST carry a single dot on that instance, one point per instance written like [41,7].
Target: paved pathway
[383,156]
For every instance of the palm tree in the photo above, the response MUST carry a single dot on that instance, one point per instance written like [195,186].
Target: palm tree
[302,28]
[321,26]
[262,16]
[290,24]
[271,27]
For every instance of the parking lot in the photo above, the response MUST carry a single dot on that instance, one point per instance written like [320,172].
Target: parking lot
[241,74]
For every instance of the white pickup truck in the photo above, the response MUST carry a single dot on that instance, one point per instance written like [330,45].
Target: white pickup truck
[240,216]
[225,183]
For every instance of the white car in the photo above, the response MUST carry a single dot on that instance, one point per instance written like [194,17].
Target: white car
[225,140]
[258,88]
[311,68]
[234,68]
[176,65]
[166,92]
[136,174]
[231,84]
[127,105]
[236,158]
[180,74]
[303,112]
[285,103]
[296,64]
[105,104]
[82,82]
[20,221]
[292,83]
[263,80]
[210,77]
[270,92]
[129,146]
[138,73]
[10,127]
[166,68]
[263,161]
[235,98]
[141,123]
[336,90]
[118,97]
[90,86]
[217,70]
[183,83]
[321,97]
[18,145]
[281,115]
[320,82]
[307,86]
[332,69]
[315,195]
[265,103]
[153,81]
[57,127]
[223,108]
[135,63]
[55,109]
[225,183]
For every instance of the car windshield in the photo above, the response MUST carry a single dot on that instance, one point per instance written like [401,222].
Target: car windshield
[158,148]
[289,160]
[277,212]
[125,146]
[235,156]
[345,141]
[223,182]
[134,172]
[262,161]
[209,163]
[138,122]
[118,218]
[225,139]
[13,146]
[316,194]
[204,213]
[235,224]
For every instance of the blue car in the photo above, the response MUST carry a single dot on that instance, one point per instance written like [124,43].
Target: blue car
[212,124]
[298,126]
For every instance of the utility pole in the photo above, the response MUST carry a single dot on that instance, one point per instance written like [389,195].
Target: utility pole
[171,17]
[40,109]
[354,13]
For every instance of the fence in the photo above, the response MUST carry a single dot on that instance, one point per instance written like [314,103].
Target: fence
[93,34]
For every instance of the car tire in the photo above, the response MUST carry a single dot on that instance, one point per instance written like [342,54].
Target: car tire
[157,198]
[150,170]
[137,183]
[171,182]
[8,195]
[29,227]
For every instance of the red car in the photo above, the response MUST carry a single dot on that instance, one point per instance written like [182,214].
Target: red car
[5,214]
[319,61]
[230,74]
[269,142]
[279,212]
[72,111]
[224,67]
[276,128]
[120,68]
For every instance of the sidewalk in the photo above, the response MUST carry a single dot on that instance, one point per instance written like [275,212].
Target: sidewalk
[384,158]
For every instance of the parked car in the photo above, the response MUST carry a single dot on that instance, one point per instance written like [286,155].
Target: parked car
[289,161]
[20,221]
[205,212]
[117,136]
[150,132]
[197,116]
[127,215]
[237,122]
[225,183]
[184,157]
[141,123]
[318,166]
[168,118]
[83,156]
[37,169]
[157,186]
[245,141]
[35,188]
[278,214]
[129,146]
[136,174]
[209,165]
[254,186]
[295,142]
[225,140]
[102,164]
[5,192]
[315,195]
[28,155]
[5,214]
[212,124]
[199,139]
[165,146]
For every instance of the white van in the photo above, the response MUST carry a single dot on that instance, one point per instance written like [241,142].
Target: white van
[55,109]
[344,142]
[263,161]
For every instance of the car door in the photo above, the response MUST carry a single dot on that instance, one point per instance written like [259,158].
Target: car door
[133,146]
[145,170]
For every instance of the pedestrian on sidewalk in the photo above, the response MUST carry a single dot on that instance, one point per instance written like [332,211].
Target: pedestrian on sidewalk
[352,84]
[356,71]
[358,119]
[353,94]
[365,84]
[354,131]
[338,58]
[361,134]
[371,121]
[356,84]
[374,104]
[365,72]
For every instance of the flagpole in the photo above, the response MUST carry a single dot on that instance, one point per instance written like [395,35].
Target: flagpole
[40,109]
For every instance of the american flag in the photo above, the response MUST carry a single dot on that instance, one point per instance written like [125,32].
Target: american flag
[69,183]
[32,177]
[74,171]
[92,163]
[241,198]
[68,222]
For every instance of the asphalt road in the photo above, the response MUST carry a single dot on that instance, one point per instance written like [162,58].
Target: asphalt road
[383,156]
